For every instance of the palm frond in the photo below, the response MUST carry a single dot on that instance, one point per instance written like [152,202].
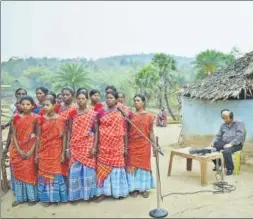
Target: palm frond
[72,75]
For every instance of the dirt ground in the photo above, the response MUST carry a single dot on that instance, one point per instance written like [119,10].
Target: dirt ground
[238,204]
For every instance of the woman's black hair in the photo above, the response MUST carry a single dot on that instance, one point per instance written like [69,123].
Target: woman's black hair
[111,87]
[57,96]
[52,94]
[94,91]
[141,96]
[43,89]
[69,89]
[82,89]
[122,94]
[115,94]
[19,89]
[51,99]
[85,93]
[28,98]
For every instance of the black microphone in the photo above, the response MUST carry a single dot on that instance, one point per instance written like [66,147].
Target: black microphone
[122,111]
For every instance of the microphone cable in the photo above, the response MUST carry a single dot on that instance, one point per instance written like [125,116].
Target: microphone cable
[220,186]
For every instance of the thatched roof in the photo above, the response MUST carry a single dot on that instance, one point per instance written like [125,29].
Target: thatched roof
[233,82]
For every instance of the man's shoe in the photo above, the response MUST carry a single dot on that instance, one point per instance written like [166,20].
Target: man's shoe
[229,172]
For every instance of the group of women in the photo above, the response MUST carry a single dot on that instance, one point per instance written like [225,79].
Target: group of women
[64,151]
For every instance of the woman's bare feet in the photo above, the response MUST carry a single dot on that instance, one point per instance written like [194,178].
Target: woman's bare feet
[100,198]
[92,199]
[134,194]
[145,194]
[46,204]
[74,203]
[61,203]
[15,203]
[31,203]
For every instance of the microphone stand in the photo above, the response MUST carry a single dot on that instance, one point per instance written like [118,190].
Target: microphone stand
[157,212]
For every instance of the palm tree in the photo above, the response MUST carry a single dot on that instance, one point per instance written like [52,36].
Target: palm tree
[72,75]
[209,61]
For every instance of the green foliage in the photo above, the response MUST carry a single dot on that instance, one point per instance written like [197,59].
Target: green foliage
[210,61]
[116,70]
[168,74]
[38,76]
[165,63]
[72,75]
[146,80]
[7,78]
[166,66]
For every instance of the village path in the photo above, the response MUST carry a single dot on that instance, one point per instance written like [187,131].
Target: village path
[203,205]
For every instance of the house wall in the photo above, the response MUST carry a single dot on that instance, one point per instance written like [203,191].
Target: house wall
[203,117]
[201,121]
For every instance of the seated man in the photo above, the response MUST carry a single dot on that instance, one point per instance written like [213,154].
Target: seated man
[230,139]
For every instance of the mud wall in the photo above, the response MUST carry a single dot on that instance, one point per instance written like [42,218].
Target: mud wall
[203,117]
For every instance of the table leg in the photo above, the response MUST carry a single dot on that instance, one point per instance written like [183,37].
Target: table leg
[222,169]
[189,164]
[203,167]
[170,163]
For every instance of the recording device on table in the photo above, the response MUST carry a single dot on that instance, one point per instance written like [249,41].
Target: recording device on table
[202,151]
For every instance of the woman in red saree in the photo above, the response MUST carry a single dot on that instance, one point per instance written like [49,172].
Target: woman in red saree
[139,173]
[109,89]
[95,100]
[112,146]
[41,93]
[121,98]
[50,156]
[82,173]
[121,103]
[51,94]
[59,98]
[161,120]
[67,105]
[21,150]
[17,111]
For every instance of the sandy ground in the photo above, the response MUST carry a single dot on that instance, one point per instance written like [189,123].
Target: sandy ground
[238,204]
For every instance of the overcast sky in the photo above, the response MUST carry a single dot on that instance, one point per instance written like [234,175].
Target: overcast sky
[99,29]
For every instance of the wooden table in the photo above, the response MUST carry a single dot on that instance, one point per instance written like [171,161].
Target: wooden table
[203,159]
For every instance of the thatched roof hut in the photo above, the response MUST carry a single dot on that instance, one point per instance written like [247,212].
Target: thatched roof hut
[233,82]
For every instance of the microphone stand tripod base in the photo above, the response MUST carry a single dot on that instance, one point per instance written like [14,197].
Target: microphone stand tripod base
[158,213]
